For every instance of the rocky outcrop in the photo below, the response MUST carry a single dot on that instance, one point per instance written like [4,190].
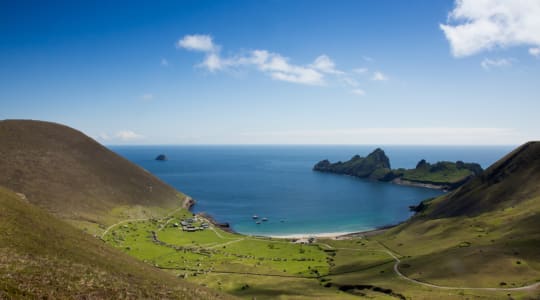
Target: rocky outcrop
[376,165]
[441,175]
[161,157]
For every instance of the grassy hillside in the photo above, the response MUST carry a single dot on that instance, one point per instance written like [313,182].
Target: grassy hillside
[510,181]
[72,176]
[443,172]
[485,234]
[43,257]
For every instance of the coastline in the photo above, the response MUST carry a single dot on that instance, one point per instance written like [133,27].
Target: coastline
[443,187]
[399,181]
[308,235]
[336,235]
[189,202]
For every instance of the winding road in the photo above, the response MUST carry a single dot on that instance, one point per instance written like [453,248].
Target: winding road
[405,277]
[386,250]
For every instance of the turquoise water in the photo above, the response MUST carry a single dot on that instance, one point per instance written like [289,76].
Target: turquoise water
[232,183]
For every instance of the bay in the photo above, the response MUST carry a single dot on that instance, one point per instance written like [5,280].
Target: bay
[233,183]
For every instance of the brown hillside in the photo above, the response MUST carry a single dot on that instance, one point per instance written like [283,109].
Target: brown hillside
[71,175]
[43,257]
[509,181]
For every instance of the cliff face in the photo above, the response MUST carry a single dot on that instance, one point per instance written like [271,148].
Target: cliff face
[376,165]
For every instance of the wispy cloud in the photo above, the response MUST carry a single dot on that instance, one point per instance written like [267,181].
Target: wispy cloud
[395,135]
[350,81]
[104,136]
[534,52]
[379,76]
[358,92]
[278,67]
[496,63]
[324,64]
[368,59]
[479,25]
[121,136]
[147,97]
[360,70]
[164,62]
[127,135]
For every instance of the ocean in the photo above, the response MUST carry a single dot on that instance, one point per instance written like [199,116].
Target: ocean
[233,183]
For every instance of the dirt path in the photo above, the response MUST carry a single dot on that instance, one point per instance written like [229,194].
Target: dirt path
[119,223]
[186,203]
[225,244]
[405,277]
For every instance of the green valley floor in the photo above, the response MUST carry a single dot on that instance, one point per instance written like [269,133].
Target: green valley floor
[266,268]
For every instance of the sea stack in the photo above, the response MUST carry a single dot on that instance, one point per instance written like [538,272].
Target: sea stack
[161,157]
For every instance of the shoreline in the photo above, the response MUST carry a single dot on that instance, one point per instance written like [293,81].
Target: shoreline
[189,202]
[442,187]
[445,187]
[333,235]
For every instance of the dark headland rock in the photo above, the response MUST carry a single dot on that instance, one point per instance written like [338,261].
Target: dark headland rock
[161,157]
[376,166]
[441,175]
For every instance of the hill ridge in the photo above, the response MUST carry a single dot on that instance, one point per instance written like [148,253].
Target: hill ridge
[67,173]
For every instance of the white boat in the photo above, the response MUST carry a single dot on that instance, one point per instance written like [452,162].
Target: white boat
[255,217]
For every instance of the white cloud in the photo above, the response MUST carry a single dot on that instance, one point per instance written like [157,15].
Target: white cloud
[480,25]
[127,135]
[368,59]
[350,81]
[378,76]
[534,52]
[164,62]
[495,63]
[147,97]
[278,67]
[212,62]
[273,64]
[324,64]
[359,92]
[197,42]
[103,136]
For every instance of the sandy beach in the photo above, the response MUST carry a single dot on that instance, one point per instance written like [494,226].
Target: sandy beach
[334,235]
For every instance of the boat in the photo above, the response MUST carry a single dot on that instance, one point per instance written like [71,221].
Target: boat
[264,219]
[255,217]
[258,222]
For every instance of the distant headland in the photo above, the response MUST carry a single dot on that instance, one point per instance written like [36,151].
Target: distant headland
[443,175]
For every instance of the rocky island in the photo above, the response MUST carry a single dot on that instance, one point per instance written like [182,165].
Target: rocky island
[161,157]
[441,175]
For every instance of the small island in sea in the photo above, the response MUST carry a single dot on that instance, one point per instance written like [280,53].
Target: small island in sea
[441,175]
[161,157]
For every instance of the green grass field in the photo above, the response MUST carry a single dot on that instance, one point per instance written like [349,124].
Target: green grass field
[266,268]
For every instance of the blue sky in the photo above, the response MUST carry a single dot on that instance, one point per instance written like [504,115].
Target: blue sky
[276,72]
